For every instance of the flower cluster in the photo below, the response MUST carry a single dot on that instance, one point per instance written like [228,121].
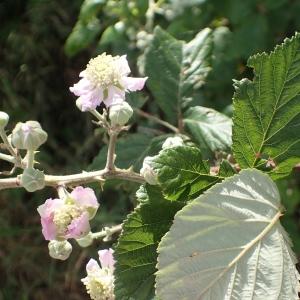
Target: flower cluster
[69,217]
[106,80]
[99,281]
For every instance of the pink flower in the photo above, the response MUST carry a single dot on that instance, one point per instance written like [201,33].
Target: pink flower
[100,280]
[46,212]
[68,218]
[86,197]
[106,80]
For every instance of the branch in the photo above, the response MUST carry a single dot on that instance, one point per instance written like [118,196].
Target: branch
[110,161]
[107,232]
[157,120]
[77,179]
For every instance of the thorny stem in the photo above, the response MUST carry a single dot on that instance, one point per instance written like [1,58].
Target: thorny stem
[8,158]
[110,166]
[109,172]
[8,145]
[30,158]
[157,120]
[98,116]
[77,179]
[17,162]
[61,191]
[150,15]
[107,232]
[153,7]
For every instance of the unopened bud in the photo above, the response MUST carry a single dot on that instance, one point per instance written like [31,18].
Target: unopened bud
[4,118]
[59,249]
[119,114]
[33,180]
[172,142]
[85,241]
[148,172]
[29,135]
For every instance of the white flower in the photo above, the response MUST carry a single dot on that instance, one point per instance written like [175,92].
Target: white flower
[148,172]
[172,142]
[106,80]
[100,280]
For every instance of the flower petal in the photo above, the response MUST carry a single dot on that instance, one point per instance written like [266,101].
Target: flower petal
[92,266]
[82,87]
[86,197]
[123,65]
[48,228]
[134,83]
[115,96]
[79,227]
[90,100]
[106,258]
[48,208]
[46,212]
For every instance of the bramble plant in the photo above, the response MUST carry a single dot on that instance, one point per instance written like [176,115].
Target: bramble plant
[207,223]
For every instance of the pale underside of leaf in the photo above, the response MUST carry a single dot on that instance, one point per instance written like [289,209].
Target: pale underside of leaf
[228,244]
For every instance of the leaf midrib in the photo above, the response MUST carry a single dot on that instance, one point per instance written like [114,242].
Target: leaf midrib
[245,250]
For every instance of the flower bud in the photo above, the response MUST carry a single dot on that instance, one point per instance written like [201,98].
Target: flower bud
[120,113]
[4,118]
[148,172]
[85,241]
[172,142]
[29,135]
[33,180]
[59,249]
[81,105]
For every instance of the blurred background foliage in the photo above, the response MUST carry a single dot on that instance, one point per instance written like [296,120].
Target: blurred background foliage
[44,46]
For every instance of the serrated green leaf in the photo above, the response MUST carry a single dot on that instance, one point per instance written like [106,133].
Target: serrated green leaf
[135,252]
[182,173]
[229,244]
[267,111]
[210,129]
[185,67]
[226,169]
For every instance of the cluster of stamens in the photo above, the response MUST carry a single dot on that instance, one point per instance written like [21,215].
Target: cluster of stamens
[102,71]
[99,285]
[64,216]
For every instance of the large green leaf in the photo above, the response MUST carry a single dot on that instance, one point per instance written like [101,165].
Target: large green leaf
[135,252]
[209,128]
[182,173]
[176,69]
[267,111]
[229,244]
